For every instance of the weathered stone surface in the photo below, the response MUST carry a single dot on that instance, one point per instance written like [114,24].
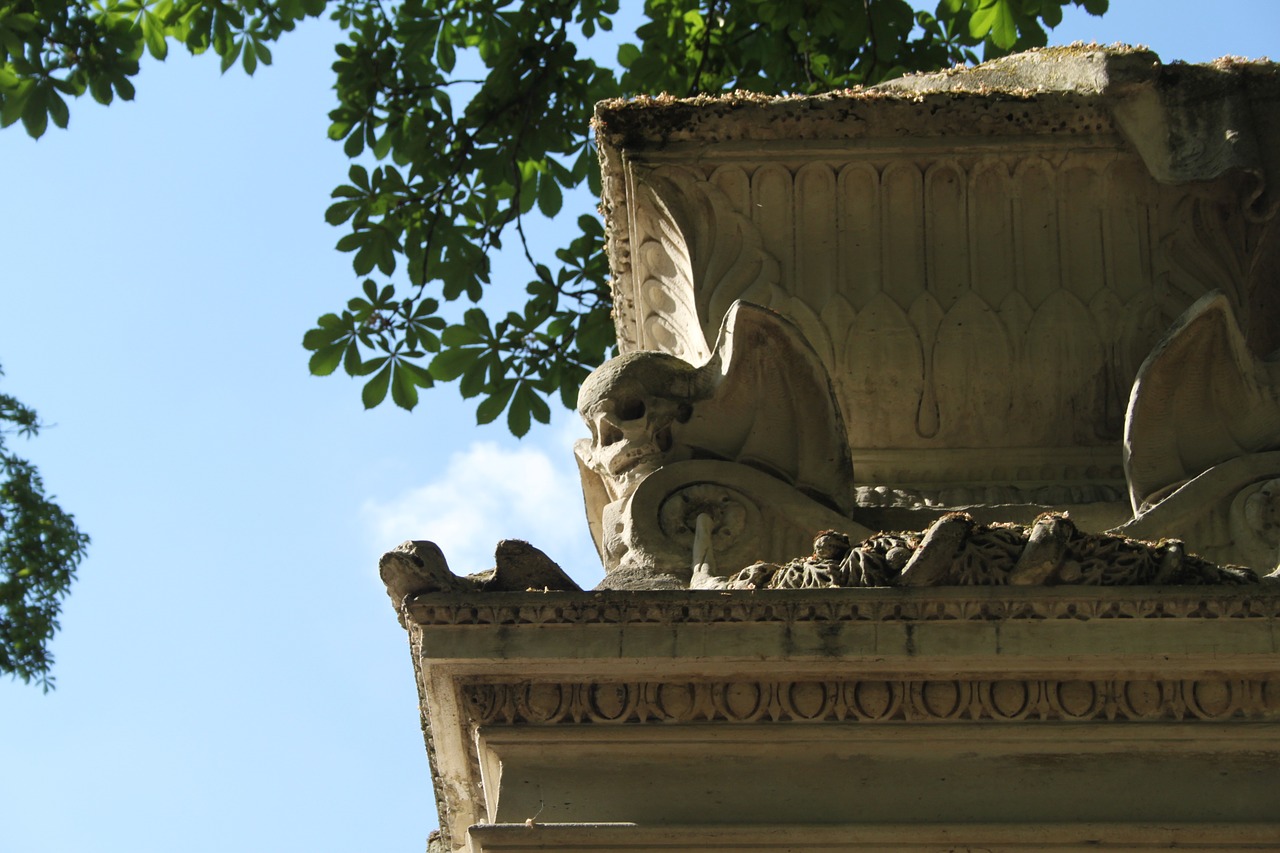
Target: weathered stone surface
[417,567]
[1087,712]
[762,402]
[981,261]
[955,550]
[520,566]
[1044,292]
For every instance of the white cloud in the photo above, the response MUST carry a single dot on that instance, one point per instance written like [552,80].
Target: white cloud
[489,492]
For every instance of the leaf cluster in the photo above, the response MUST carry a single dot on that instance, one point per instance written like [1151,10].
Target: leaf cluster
[51,50]
[477,113]
[40,548]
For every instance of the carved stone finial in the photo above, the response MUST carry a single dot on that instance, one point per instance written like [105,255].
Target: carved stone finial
[416,567]
[419,567]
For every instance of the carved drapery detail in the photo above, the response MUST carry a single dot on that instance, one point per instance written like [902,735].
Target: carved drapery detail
[873,701]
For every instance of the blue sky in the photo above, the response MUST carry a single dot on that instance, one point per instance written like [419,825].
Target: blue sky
[230,673]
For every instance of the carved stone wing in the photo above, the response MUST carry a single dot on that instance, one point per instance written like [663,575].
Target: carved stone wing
[766,401]
[1201,398]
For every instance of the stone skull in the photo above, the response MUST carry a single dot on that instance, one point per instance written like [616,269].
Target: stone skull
[630,404]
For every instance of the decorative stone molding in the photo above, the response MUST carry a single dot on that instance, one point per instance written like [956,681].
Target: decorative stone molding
[872,701]
[582,702]
[954,291]
[850,605]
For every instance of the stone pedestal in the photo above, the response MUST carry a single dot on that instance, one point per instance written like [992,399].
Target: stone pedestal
[928,395]
[853,719]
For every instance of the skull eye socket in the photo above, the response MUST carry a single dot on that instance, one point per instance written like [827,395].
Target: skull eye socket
[629,410]
[610,435]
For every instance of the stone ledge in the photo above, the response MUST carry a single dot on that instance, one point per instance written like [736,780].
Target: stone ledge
[845,605]
[573,700]
[604,838]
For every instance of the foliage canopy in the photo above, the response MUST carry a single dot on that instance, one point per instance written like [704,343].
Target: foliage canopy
[463,116]
[40,548]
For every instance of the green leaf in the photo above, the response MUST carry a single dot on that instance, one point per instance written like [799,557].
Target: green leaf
[228,59]
[492,406]
[627,54]
[460,336]
[994,19]
[100,89]
[354,144]
[341,212]
[123,88]
[518,412]
[314,339]
[375,390]
[250,57]
[446,58]
[153,32]
[404,391]
[449,364]
[351,362]
[351,242]
[473,380]
[420,375]
[476,320]
[58,109]
[35,117]
[539,408]
[327,359]
[549,196]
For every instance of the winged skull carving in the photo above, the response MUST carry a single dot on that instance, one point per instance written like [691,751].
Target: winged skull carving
[762,404]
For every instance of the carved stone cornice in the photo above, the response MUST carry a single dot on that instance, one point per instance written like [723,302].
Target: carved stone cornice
[566,698]
[845,605]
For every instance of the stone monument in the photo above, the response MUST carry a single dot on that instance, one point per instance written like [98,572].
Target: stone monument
[937,483]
